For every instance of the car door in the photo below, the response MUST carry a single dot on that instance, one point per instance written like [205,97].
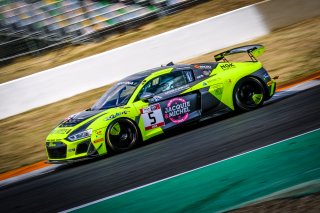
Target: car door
[161,103]
[210,86]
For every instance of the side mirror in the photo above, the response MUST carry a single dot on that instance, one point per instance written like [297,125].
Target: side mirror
[146,96]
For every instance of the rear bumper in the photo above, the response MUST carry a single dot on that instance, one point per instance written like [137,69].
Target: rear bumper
[271,85]
[272,88]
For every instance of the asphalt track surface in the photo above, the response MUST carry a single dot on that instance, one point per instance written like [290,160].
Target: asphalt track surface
[196,146]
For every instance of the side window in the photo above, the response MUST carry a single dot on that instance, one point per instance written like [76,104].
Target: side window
[189,76]
[200,74]
[166,82]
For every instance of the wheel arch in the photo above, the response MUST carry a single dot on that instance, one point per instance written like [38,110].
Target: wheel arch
[266,95]
[137,126]
[140,139]
[265,86]
[259,79]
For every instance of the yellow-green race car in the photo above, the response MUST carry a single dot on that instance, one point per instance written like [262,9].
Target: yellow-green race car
[152,102]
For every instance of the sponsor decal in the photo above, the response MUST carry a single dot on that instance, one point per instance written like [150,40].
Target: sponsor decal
[156,98]
[178,89]
[197,66]
[60,131]
[99,132]
[150,108]
[132,83]
[52,144]
[270,83]
[72,150]
[53,140]
[98,140]
[152,116]
[182,68]
[124,107]
[116,115]
[227,66]
[213,80]
[204,84]
[206,72]
[265,76]
[218,91]
[200,76]
[177,110]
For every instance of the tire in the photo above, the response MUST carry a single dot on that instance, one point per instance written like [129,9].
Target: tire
[249,94]
[122,135]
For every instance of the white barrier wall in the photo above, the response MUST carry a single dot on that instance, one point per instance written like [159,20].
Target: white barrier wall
[192,40]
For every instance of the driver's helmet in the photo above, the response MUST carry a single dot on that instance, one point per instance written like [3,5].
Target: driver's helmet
[166,84]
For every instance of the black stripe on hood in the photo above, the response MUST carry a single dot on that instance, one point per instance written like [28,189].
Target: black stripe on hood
[77,118]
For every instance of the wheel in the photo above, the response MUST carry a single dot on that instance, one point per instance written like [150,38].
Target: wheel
[249,94]
[122,135]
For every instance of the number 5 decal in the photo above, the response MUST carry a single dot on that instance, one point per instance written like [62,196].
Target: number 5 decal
[152,117]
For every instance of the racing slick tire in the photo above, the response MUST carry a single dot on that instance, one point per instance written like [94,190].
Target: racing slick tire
[249,94]
[122,135]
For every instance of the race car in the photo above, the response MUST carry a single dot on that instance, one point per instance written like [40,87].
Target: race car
[155,101]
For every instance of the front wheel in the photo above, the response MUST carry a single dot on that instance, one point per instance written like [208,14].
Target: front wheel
[122,135]
[249,94]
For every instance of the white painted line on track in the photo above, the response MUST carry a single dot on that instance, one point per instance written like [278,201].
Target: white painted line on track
[168,178]
[294,90]
[305,85]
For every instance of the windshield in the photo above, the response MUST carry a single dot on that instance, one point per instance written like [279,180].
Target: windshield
[118,95]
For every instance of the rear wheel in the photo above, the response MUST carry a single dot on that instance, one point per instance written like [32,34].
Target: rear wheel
[122,135]
[249,94]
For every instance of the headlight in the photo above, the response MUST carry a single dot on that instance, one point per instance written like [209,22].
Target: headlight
[80,135]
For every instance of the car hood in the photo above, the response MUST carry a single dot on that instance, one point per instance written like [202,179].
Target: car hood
[70,124]
[77,118]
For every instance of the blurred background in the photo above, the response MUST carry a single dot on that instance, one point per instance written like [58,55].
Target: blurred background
[29,27]
[38,35]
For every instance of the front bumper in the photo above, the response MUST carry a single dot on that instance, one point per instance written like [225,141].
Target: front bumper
[59,151]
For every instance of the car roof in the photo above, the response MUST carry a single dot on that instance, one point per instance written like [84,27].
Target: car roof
[146,73]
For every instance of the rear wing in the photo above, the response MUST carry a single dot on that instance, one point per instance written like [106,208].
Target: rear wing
[253,51]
